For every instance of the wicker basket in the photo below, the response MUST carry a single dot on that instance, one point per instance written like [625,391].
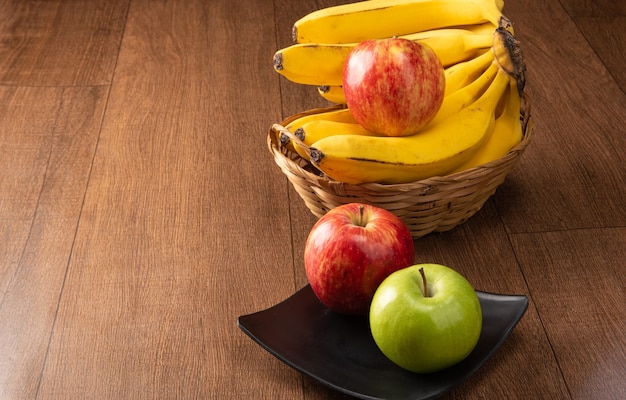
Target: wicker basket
[435,204]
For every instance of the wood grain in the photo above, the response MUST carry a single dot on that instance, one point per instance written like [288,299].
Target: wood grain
[141,212]
[167,254]
[594,8]
[580,297]
[607,37]
[59,42]
[575,142]
[48,137]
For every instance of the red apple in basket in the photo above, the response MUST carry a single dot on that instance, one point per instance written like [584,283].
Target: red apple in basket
[393,86]
[351,250]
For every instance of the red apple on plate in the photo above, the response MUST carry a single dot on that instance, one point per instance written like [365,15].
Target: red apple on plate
[393,86]
[426,318]
[350,250]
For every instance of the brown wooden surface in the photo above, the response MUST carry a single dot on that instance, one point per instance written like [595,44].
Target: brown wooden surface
[141,213]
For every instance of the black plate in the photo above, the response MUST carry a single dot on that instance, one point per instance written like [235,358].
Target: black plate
[340,352]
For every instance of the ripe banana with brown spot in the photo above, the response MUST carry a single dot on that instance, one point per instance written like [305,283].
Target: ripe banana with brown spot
[377,19]
[430,152]
[321,64]
[332,93]
[508,53]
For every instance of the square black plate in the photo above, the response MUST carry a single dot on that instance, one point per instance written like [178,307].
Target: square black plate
[340,352]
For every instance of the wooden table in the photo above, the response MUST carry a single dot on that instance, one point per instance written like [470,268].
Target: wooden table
[141,213]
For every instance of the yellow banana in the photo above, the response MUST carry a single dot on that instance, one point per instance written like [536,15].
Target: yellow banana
[332,93]
[506,134]
[377,19]
[461,74]
[461,98]
[330,114]
[312,131]
[457,76]
[295,127]
[486,28]
[321,64]
[433,151]
[333,114]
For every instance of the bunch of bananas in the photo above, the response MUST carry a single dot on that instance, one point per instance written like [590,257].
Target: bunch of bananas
[479,119]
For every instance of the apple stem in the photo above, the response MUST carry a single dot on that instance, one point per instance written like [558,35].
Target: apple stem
[361,211]
[426,294]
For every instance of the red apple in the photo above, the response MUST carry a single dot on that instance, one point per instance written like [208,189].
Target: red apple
[393,86]
[351,250]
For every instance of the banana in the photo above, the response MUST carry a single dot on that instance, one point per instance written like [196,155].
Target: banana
[461,98]
[508,53]
[312,131]
[377,19]
[506,24]
[461,74]
[506,134]
[342,115]
[333,114]
[485,28]
[321,64]
[430,152]
[457,76]
[332,93]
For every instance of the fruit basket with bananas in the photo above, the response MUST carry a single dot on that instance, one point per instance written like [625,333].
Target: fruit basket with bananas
[441,175]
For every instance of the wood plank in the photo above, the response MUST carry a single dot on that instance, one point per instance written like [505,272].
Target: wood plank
[607,37]
[184,227]
[60,43]
[568,178]
[576,279]
[594,8]
[124,278]
[47,141]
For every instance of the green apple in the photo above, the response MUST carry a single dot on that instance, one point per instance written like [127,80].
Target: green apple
[425,317]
